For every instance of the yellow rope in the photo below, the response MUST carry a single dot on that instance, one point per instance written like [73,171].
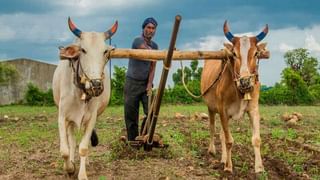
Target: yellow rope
[226,54]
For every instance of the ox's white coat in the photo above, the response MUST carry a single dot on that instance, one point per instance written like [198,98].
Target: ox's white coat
[73,112]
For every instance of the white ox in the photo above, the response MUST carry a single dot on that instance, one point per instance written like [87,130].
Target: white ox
[81,91]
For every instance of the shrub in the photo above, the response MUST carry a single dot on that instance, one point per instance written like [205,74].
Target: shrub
[277,95]
[178,94]
[7,73]
[36,97]
[117,82]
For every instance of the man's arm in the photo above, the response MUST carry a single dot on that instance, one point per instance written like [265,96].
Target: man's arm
[151,75]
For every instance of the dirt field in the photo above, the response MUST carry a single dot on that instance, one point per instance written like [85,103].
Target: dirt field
[29,146]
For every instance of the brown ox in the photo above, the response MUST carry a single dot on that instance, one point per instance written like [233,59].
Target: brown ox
[235,92]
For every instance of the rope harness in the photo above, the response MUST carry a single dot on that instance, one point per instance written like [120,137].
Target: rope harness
[82,81]
[223,68]
[244,84]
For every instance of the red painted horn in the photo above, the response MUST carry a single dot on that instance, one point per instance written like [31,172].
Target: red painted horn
[111,31]
[73,28]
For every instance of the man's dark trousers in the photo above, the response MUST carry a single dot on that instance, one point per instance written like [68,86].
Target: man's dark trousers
[134,92]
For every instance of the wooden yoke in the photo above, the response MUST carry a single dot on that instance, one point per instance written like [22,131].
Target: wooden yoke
[154,55]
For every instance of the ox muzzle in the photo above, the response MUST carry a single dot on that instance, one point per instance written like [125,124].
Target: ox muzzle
[245,84]
[93,87]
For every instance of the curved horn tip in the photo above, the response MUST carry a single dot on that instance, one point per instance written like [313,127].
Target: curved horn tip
[73,28]
[263,33]
[112,30]
[266,29]
[225,26]
[116,26]
[227,32]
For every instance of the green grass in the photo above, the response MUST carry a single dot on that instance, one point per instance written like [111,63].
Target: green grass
[187,138]
[20,110]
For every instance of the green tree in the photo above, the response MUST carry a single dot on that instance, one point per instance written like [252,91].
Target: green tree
[117,81]
[195,70]
[301,62]
[190,73]
[178,93]
[176,77]
[297,86]
[300,82]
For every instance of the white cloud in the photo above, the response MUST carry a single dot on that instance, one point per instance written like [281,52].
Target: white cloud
[52,26]
[6,33]
[282,40]
[33,28]
[86,7]
[206,43]
[283,47]
[313,45]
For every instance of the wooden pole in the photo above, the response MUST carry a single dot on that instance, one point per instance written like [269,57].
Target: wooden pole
[154,55]
[162,84]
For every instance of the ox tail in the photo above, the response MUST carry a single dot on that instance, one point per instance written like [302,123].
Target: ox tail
[94,138]
[185,86]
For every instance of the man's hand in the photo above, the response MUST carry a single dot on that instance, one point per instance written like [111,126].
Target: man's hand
[149,87]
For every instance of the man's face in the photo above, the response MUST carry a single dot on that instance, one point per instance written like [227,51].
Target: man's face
[149,31]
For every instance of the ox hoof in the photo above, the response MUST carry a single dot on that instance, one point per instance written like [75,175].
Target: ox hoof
[71,169]
[82,177]
[227,169]
[223,161]
[212,151]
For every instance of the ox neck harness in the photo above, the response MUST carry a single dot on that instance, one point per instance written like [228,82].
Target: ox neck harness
[79,80]
[82,81]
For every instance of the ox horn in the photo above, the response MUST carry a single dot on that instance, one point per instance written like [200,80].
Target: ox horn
[227,32]
[263,34]
[73,28]
[111,31]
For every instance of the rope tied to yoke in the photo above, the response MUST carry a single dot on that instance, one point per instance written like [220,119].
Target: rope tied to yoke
[223,67]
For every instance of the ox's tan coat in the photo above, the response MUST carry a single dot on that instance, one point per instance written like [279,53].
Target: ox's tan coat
[225,99]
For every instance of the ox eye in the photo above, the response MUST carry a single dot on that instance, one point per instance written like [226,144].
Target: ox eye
[84,51]
[106,51]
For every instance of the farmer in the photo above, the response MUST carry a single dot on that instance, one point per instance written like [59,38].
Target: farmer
[139,79]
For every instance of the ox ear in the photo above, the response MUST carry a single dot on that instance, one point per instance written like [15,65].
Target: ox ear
[228,46]
[262,46]
[69,52]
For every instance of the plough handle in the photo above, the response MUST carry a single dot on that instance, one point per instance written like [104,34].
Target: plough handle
[163,80]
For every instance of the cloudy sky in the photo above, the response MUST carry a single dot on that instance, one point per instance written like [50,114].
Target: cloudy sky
[35,28]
